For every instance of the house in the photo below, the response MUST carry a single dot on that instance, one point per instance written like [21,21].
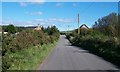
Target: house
[0,30]
[38,28]
[5,32]
[17,33]
[84,26]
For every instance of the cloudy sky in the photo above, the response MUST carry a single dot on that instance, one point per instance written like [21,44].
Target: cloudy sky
[60,14]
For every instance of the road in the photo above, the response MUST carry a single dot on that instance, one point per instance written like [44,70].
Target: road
[67,57]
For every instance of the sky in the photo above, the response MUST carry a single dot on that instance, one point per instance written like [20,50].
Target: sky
[61,14]
[60,0]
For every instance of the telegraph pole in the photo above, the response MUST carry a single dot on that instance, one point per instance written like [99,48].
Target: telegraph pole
[68,28]
[78,25]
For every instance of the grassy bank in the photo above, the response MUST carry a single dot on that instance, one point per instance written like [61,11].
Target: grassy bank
[0,63]
[103,39]
[30,58]
[107,49]
[23,51]
[101,45]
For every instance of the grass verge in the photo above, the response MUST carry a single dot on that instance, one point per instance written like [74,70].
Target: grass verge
[30,58]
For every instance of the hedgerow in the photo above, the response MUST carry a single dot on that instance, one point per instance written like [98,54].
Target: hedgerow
[12,43]
[108,49]
[102,39]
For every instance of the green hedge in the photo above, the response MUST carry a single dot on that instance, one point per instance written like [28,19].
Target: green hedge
[12,43]
[106,47]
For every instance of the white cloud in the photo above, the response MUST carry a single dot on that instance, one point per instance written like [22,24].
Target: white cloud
[37,3]
[37,13]
[18,23]
[60,0]
[39,19]
[7,22]
[62,20]
[36,0]
[29,22]
[59,4]
[23,4]
[53,21]
[34,13]
[74,4]
[44,22]
[32,2]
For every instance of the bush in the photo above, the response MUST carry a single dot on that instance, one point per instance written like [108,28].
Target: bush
[13,43]
[109,48]
[10,28]
[103,39]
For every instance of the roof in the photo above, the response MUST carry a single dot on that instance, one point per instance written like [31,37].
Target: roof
[84,26]
[38,27]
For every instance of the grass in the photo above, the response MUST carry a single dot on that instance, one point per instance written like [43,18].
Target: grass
[0,63]
[0,56]
[30,58]
[103,46]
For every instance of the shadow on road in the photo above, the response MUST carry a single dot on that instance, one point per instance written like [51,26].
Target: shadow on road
[80,51]
[83,50]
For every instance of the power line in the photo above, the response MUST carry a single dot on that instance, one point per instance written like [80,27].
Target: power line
[82,14]
[90,5]
[78,24]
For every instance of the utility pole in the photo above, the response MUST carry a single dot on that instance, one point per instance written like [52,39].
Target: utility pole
[78,25]
[68,28]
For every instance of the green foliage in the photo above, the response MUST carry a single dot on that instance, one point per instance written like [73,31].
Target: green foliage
[19,29]
[30,58]
[10,28]
[51,30]
[102,40]
[48,30]
[12,44]
[63,33]
[74,33]
[108,25]
[108,48]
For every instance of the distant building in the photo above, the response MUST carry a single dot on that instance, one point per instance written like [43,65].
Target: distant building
[38,28]
[0,32]
[84,26]
[17,33]
[5,32]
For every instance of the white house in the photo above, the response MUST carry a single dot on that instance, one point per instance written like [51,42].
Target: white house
[38,27]
[84,26]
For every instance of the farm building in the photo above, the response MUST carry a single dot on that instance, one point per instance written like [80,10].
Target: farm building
[84,26]
[38,28]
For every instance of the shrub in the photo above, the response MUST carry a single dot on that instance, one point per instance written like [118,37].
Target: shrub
[25,39]
[109,48]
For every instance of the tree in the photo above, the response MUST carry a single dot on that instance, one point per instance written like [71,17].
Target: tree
[48,30]
[10,28]
[108,25]
[54,29]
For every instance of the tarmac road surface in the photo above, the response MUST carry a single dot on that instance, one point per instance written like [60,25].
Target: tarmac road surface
[67,57]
